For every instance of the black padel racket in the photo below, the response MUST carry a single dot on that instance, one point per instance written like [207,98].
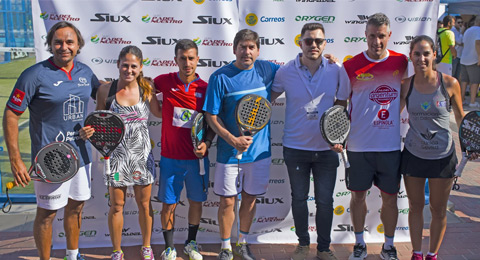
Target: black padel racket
[252,114]
[198,131]
[469,135]
[335,126]
[109,130]
[56,162]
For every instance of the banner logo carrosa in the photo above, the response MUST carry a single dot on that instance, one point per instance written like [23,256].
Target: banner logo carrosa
[159,19]
[58,17]
[383,95]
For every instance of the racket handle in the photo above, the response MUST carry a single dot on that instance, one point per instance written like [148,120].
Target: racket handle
[108,172]
[461,165]
[239,155]
[202,166]
[345,159]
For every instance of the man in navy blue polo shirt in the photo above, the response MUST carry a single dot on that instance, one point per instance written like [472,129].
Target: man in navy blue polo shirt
[56,92]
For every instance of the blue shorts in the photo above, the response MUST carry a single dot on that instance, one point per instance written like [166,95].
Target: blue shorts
[172,175]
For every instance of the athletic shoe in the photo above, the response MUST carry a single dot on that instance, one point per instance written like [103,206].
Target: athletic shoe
[431,257]
[118,255]
[147,253]
[300,253]
[169,254]
[359,252]
[416,256]
[326,255]
[225,254]
[243,250]
[79,257]
[389,254]
[474,105]
[191,249]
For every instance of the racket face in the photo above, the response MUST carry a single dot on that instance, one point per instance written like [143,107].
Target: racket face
[469,132]
[199,127]
[252,113]
[335,125]
[109,130]
[57,162]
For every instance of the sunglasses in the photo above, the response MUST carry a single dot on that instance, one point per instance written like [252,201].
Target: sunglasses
[309,41]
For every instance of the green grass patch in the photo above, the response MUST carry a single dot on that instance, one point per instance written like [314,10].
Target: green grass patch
[9,72]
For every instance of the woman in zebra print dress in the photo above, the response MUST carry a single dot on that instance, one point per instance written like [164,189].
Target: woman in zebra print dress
[134,99]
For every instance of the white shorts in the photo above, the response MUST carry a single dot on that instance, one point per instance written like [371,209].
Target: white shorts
[53,196]
[253,178]
[444,68]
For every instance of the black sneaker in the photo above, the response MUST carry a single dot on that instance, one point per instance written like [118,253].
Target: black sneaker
[359,252]
[389,254]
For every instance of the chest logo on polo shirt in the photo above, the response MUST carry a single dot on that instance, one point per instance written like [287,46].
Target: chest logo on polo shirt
[83,82]
[56,84]
[73,109]
[383,95]
[198,95]
[365,77]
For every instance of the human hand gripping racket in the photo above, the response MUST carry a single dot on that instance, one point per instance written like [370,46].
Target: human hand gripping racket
[56,162]
[252,114]
[469,135]
[335,127]
[109,131]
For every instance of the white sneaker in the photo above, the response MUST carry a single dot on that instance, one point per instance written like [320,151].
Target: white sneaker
[169,254]
[191,249]
[474,105]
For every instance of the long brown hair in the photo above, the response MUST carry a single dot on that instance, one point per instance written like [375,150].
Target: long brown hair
[142,82]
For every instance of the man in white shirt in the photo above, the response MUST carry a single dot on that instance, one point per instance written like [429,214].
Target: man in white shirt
[470,60]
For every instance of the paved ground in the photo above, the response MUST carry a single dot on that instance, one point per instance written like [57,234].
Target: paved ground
[462,238]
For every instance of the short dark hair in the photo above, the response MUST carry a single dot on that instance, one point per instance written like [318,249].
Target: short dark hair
[458,17]
[378,19]
[312,27]
[246,35]
[60,25]
[447,19]
[185,44]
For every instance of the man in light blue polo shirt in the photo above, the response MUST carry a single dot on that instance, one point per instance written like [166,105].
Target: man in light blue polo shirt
[310,84]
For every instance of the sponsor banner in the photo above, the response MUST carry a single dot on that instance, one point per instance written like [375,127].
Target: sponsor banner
[156,25]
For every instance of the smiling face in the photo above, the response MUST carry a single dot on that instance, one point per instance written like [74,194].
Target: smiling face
[187,61]
[129,67]
[377,39]
[422,56]
[246,52]
[310,44]
[64,46]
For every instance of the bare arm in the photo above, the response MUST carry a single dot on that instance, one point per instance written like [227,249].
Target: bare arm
[453,89]
[240,143]
[404,92]
[10,129]
[453,51]
[275,95]
[477,48]
[155,106]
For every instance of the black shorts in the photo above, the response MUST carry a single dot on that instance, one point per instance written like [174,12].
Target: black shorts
[424,168]
[379,168]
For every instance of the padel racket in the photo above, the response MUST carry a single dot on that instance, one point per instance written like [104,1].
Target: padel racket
[469,135]
[198,131]
[252,114]
[56,162]
[109,131]
[335,126]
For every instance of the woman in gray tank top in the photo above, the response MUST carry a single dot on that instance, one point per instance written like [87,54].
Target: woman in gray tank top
[429,150]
